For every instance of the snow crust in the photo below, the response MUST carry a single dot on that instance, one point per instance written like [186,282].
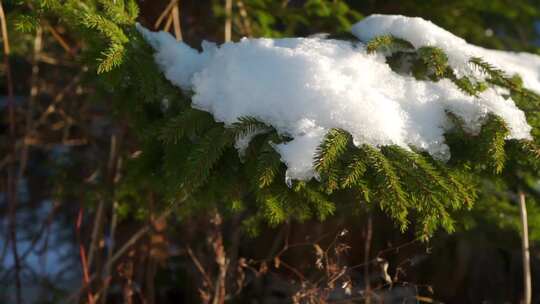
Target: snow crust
[305,86]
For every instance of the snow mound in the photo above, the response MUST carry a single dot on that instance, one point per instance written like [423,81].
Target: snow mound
[305,86]
[422,32]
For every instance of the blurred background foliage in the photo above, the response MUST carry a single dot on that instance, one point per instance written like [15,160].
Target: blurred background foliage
[73,148]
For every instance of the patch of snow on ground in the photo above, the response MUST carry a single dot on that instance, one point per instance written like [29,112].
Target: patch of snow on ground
[305,86]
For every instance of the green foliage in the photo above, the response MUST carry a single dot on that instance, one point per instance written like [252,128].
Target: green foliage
[188,123]
[26,23]
[388,44]
[270,18]
[387,184]
[492,136]
[106,17]
[333,147]
[435,60]
[268,166]
[248,126]
[186,156]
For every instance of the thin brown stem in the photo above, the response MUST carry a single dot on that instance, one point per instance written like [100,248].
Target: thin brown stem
[84,261]
[246,23]
[525,250]
[34,88]
[200,268]
[367,249]
[176,21]
[164,13]
[221,260]
[228,20]
[60,39]
[168,24]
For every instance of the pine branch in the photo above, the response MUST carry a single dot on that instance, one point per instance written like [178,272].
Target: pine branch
[248,125]
[117,11]
[354,173]
[333,147]
[465,83]
[204,156]
[488,69]
[435,59]
[273,205]
[189,123]
[388,44]
[492,137]
[114,54]
[389,191]
[323,207]
[268,166]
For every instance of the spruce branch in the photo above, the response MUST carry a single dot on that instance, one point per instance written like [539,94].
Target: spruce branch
[388,44]
[435,59]
[268,165]
[333,146]
[492,136]
[204,155]
[248,125]
[392,198]
[189,123]
[355,171]
[322,206]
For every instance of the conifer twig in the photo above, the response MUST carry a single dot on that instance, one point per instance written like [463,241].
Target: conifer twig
[525,250]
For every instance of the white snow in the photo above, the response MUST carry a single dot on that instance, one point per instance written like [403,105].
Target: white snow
[305,86]
[422,32]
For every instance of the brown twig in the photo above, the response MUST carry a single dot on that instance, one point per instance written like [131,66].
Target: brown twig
[168,24]
[221,260]
[84,262]
[246,23]
[31,101]
[176,21]
[110,250]
[200,268]
[525,250]
[228,20]
[97,231]
[164,13]
[367,249]
[120,252]
[60,39]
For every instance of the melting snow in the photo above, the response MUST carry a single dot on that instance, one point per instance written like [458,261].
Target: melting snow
[305,86]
